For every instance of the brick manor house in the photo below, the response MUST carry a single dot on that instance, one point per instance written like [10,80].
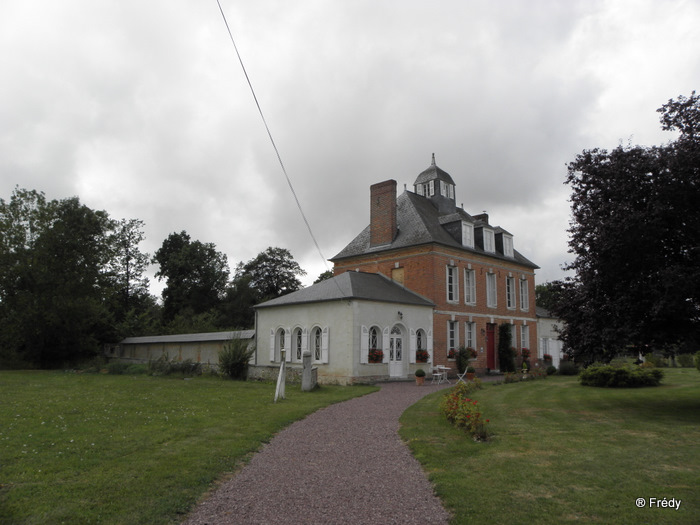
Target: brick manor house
[468,268]
[423,279]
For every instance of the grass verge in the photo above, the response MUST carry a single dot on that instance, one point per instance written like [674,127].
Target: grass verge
[131,449]
[563,453]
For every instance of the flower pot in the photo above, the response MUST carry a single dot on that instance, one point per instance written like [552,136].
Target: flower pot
[470,376]
[420,380]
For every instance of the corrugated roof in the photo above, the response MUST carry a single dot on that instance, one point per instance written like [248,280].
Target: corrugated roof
[351,285]
[190,338]
[419,222]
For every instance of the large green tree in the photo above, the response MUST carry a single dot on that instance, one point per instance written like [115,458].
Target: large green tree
[52,280]
[272,273]
[635,235]
[196,275]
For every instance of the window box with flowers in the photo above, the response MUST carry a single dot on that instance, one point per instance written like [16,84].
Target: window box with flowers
[421,356]
[375,355]
[547,358]
[451,353]
[526,353]
[472,353]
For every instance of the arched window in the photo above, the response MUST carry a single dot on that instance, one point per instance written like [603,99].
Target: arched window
[317,343]
[298,350]
[422,355]
[281,338]
[375,353]
[374,340]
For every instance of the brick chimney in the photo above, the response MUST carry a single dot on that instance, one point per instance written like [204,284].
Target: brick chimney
[382,213]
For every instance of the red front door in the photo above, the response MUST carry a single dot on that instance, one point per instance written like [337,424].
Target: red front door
[491,346]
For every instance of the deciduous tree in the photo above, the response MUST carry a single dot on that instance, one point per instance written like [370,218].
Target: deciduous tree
[196,275]
[636,239]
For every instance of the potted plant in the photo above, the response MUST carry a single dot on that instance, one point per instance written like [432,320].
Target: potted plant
[451,353]
[421,356]
[420,377]
[470,373]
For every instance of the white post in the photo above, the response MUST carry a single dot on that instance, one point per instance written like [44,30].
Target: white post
[279,392]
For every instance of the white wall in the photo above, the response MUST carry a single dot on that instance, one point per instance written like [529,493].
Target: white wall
[344,320]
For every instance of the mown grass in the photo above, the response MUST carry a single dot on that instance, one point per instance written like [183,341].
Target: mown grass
[95,448]
[564,453]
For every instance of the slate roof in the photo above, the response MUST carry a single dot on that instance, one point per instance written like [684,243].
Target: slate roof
[190,338]
[351,285]
[432,173]
[420,222]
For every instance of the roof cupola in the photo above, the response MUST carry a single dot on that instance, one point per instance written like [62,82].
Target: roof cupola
[437,186]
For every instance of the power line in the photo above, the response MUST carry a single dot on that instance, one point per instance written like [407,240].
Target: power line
[269,134]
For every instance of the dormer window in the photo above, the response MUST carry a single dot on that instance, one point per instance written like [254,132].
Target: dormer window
[489,242]
[508,245]
[467,235]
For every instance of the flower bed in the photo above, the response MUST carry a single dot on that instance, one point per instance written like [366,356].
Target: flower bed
[464,412]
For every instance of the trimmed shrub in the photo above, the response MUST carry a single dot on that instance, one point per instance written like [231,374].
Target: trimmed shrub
[234,358]
[620,377]
[568,368]
[551,370]
[506,356]
[462,359]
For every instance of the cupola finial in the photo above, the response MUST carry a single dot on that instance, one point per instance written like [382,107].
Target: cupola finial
[433,163]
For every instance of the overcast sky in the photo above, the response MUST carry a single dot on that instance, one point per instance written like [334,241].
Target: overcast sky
[142,109]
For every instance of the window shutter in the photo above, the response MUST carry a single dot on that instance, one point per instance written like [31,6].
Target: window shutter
[419,189]
[288,344]
[272,345]
[431,188]
[429,344]
[364,345]
[324,345]
[385,344]
[412,353]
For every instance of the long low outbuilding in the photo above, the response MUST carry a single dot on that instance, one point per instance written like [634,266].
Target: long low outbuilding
[201,348]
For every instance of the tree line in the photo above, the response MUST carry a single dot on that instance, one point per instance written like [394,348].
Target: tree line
[73,279]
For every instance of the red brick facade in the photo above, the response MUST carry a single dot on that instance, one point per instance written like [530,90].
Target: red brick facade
[425,272]
[422,267]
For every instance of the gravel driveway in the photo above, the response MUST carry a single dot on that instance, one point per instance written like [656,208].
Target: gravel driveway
[344,464]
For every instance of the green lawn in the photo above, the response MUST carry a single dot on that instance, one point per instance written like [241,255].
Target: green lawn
[563,453]
[130,449]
